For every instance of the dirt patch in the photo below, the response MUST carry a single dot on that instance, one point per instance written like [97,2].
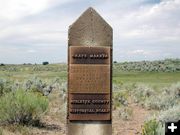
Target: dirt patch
[131,126]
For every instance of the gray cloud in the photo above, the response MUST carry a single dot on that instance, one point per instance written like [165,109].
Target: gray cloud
[143,29]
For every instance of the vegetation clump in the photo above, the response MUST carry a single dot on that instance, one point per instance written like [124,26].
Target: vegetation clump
[167,102]
[167,65]
[22,107]
[37,85]
[45,63]
[120,99]
[153,127]
[5,86]
[172,114]
[165,99]
[140,93]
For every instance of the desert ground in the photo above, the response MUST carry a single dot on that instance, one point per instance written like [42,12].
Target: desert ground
[144,93]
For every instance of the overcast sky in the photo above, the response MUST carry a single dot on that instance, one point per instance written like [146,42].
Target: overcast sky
[32,31]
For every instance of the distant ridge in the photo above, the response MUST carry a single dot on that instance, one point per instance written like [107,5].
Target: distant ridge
[167,65]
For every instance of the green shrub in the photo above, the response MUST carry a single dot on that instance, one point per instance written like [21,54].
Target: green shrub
[120,99]
[152,127]
[141,92]
[37,85]
[167,65]
[45,63]
[22,107]
[161,102]
[165,99]
[174,90]
[5,86]
[172,114]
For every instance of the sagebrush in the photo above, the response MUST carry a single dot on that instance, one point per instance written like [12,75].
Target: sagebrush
[22,107]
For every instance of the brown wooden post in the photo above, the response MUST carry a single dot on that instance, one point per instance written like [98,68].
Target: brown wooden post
[89,76]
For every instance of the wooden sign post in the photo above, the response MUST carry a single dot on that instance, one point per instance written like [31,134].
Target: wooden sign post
[89,76]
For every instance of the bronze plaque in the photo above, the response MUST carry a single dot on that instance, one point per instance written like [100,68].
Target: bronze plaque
[89,107]
[89,78]
[89,75]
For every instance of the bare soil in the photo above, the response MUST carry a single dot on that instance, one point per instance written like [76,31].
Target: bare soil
[133,126]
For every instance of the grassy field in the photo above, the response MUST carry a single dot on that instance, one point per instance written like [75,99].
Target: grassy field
[22,72]
[154,79]
[136,95]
